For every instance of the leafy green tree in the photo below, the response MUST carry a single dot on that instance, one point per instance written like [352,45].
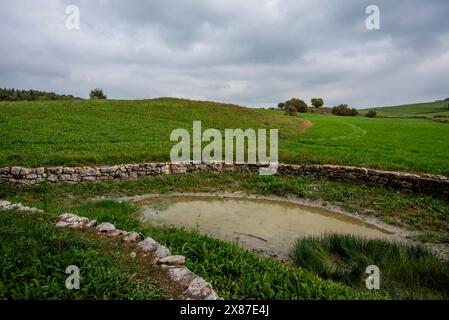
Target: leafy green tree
[97,93]
[317,102]
[300,105]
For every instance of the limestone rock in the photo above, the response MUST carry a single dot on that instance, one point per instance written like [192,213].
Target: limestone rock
[62,224]
[91,224]
[148,245]
[105,227]
[117,233]
[172,260]
[199,288]
[161,252]
[179,274]
[133,237]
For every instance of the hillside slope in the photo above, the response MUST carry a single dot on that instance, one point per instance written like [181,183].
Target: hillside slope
[428,110]
[73,133]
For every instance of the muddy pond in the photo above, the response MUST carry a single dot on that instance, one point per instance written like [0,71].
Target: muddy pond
[268,227]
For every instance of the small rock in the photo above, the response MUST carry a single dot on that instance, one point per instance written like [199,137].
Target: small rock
[172,260]
[161,252]
[4,204]
[199,288]
[133,237]
[66,216]
[116,233]
[91,224]
[178,274]
[62,224]
[75,225]
[148,244]
[105,227]
[82,220]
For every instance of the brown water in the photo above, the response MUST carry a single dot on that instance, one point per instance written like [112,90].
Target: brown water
[266,226]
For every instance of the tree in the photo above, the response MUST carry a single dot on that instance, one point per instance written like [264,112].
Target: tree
[317,102]
[300,105]
[291,111]
[97,93]
[281,105]
[344,110]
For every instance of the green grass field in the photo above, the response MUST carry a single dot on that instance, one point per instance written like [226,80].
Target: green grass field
[427,110]
[109,132]
[34,255]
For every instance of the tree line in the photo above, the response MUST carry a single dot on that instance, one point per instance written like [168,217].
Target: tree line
[21,95]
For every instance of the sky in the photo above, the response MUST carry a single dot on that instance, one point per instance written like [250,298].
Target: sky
[254,52]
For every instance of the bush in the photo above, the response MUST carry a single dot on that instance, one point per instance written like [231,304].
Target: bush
[371,114]
[291,111]
[97,94]
[407,272]
[317,102]
[300,105]
[344,110]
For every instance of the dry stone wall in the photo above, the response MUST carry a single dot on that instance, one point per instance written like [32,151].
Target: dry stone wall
[424,183]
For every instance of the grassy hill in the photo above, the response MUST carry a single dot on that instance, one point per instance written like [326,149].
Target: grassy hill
[427,110]
[35,133]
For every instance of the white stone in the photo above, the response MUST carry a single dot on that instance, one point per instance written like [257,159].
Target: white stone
[4,204]
[148,244]
[117,233]
[105,227]
[133,237]
[62,224]
[91,224]
[199,288]
[161,252]
[172,260]
[65,216]
[178,274]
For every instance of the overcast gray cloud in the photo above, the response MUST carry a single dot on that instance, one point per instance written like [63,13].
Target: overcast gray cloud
[252,52]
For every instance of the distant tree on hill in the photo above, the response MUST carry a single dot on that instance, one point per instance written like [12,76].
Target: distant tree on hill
[20,95]
[344,110]
[97,93]
[317,102]
[300,105]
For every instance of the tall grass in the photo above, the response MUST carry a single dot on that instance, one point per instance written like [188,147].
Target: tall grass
[407,272]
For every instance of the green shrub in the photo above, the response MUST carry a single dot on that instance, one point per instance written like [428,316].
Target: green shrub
[407,272]
[300,105]
[317,102]
[344,110]
[371,114]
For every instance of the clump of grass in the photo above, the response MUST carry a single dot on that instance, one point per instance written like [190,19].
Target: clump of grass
[407,272]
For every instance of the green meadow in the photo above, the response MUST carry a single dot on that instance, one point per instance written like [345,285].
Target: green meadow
[44,133]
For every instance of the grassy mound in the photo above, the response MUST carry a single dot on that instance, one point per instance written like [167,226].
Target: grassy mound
[406,272]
